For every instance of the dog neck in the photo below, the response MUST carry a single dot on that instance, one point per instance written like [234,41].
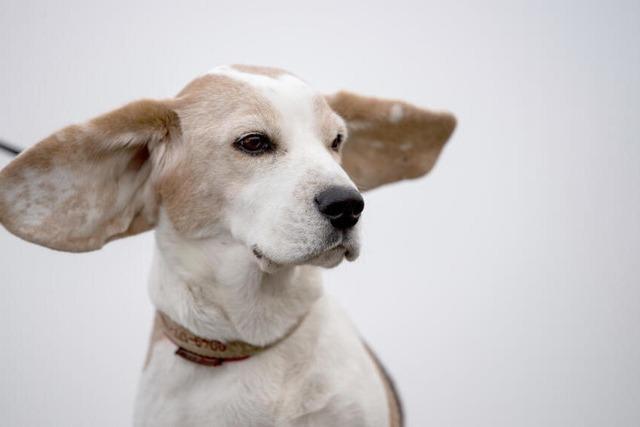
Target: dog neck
[215,289]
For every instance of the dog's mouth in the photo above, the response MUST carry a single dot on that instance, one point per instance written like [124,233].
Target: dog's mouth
[328,256]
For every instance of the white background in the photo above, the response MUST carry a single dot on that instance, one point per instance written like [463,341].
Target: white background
[502,290]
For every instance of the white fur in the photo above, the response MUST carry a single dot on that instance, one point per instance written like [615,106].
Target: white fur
[395,113]
[321,375]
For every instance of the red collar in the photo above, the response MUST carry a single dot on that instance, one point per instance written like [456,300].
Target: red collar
[209,352]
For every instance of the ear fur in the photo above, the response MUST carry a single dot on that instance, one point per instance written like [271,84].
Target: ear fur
[91,183]
[389,140]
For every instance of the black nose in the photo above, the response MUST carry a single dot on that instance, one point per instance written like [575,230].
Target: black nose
[341,205]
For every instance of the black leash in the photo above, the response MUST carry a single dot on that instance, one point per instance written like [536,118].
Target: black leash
[9,148]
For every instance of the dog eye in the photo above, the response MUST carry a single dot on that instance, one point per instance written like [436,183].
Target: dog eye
[254,143]
[335,145]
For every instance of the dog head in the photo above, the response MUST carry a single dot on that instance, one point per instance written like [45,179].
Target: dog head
[253,153]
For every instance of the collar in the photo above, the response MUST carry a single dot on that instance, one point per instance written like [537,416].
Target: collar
[210,352]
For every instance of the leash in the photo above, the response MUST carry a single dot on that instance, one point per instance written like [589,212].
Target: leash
[10,149]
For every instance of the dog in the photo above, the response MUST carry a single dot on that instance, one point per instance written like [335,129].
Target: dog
[251,180]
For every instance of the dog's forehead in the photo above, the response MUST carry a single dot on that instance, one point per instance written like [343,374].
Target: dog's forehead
[288,94]
[274,83]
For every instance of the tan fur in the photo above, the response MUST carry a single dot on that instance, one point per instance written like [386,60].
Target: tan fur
[214,111]
[383,148]
[113,148]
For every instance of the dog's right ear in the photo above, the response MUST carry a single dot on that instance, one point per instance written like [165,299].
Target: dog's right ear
[90,183]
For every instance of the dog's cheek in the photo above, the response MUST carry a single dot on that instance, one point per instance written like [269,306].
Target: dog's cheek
[191,206]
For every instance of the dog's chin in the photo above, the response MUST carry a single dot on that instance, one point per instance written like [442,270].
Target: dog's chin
[327,258]
[330,258]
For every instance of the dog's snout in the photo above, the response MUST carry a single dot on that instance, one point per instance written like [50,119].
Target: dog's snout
[341,205]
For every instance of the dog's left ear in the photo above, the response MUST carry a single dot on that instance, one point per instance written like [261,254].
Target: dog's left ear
[389,140]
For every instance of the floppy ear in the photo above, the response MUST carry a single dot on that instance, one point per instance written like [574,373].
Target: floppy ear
[389,140]
[91,183]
